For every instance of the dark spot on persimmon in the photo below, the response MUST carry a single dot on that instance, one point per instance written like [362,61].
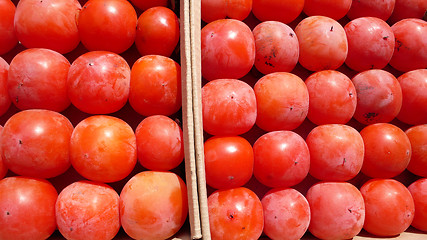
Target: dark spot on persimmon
[7,213]
[91,64]
[350,210]
[291,34]
[385,38]
[20,141]
[332,28]
[369,116]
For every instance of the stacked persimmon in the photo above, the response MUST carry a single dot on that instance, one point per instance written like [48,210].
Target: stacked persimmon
[319,109]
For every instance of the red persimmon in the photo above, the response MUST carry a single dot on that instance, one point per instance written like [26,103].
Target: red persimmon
[277,47]
[140,219]
[4,94]
[157,32]
[381,9]
[108,25]
[228,107]
[37,78]
[103,148]
[212,10]
[323,43]
[36,142]
[335,9]
[387,150]
[88,210]
[99,82]
[408,9]
[418,190]
[389,207]
[48,24]
[159,143]
[282,101]
[418,137]
[8,38]
[28,208]
[232,151]
[282,159]
[3,168]
[146,4]
[227,49]
[155,86]
[277,10]
[235,213]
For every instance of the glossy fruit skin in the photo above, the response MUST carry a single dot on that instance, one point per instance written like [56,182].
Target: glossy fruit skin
[236,153]
[282,101]
[4,95]
[387,150]
[335,9]
[323,43]
[370,43]
[389,207]
[381,9]
[414,97]
[157,32]
[277,10]
[48,24]
[28,208]
[408,9]
[337,210]
[88,210]
[418,137]
[228,107]
[235,213]
[103,148]
[8,38]
[286,214]
[107,25]
[336,152]
[332,97]
[227,49]
[277,48]
[159,143]
[35,143]
[410,52]
[212,10]
[138,217]
[155,86]
[3,168]
[98,82]
[282,159]
[37,78]
[144,4]
[418,190]
[379,96]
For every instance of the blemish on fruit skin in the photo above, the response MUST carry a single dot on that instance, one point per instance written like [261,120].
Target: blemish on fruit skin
[369,116]
[16,99]
[385,38]
[291,34]
[7,213]
[20,141]
[332,28]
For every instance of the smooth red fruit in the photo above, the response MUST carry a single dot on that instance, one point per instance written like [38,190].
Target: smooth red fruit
[155,86]
[3,168]
[282,101]
[103,148]
[212,10]
[36,142]
[235,213]
[277,10]
[144,4]
[99,82]
[379,96]
[286,214]
[381,9]
[336,152]
[157,32]
[337,210]
[408,9]
[48,24]
[159,143]
[387,150]
[108,25]
[335,9]
[418,190]
[228,107]
[228,49]
[4,94]
[282,159]
[418,137]
[414,97]
[370,43]
[323,43]
[332,97]
[232,151]
[37,78]
[88,210]
[410,51]
[27,207]
[277,47]
[140,219]
[8,38]
[389,207]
